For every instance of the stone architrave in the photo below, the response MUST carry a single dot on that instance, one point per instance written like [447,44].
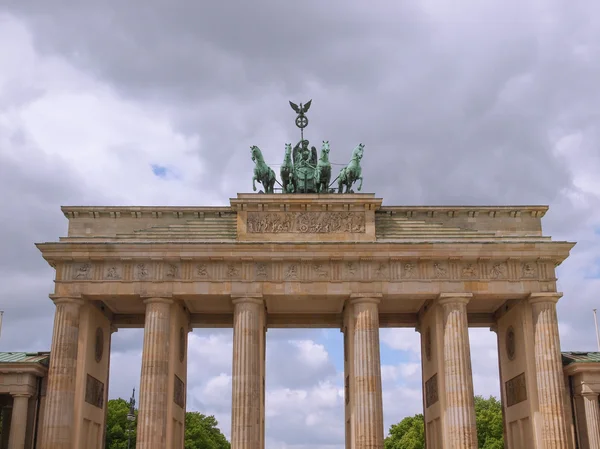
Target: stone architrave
[57,427]
[549,370]
[368,404]
[154,382]
[246,419]
[461,430]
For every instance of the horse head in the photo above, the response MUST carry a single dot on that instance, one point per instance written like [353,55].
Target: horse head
[325,150]
[256,153]
[357,153]
[288,150]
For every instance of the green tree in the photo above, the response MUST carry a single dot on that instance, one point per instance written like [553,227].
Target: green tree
[410,432]
[117,425]
[407,434]
[488,415]
[201,432]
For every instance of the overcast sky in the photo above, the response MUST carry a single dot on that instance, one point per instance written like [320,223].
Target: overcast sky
[157,102]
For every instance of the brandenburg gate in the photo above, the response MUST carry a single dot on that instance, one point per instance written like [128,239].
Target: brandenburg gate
[306,260]
[307,257]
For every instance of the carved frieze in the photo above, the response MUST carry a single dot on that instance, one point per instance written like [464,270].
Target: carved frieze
[516,390]
[82,272]
[306,222]
[172,271]
[499,270]
[113,272]
[528,270]
[277,270]
[431,391]
[94,392]
[142,271]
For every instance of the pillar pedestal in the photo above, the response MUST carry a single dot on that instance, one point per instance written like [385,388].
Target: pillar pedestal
[368,404]
[246,419]
[154,382]
[57,427]
[461,430]
[549,370]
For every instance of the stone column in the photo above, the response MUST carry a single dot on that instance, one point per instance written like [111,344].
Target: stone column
[549,372]
[368,403]
[246,378]
[18,425]
[592,419]
[461,430]
[154,381]
[57,427]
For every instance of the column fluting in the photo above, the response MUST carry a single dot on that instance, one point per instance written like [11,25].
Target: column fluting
[592,419]
[19,421]
[57,426]
[154,381]
[549,370]
[368,403]
[246,374]
[461,430]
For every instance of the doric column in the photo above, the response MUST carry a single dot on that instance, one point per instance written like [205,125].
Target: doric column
[56,430]
[248,322]
[461,430]
[368,404]
[549,373]
[592,419]
[19,421]
[154,381]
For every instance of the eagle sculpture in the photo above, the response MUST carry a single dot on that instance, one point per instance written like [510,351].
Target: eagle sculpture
[301,110]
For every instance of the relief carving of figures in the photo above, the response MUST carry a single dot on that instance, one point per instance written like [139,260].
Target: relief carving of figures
[381,271]
[84,271]
[469,271]
[320,270]
[172,271]
[113,273]
[232,271]
[291,272]
[439,271]
[409,270]
[528,270]
[306,222]
[261,270]
[350,268]
[142,271]
[499,271]
[202,270]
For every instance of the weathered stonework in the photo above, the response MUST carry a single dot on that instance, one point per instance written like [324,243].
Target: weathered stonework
[340,261]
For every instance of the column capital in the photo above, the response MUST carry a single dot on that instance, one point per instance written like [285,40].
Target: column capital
[158,300]
[454,298]
[252,298]
[21,395]
[544,297]
[357,298]
[75,300]
[588,394]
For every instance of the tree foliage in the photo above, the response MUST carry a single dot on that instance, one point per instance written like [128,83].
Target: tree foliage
[201,432]
[410,432]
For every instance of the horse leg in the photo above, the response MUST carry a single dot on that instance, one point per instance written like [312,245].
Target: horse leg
[253,183]
[360,185]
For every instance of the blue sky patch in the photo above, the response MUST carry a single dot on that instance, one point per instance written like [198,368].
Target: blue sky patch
[160,170]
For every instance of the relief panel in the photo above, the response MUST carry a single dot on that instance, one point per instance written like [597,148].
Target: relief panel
[306,222]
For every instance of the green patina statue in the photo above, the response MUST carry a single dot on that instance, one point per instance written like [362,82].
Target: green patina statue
[302,171]
[262,172]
